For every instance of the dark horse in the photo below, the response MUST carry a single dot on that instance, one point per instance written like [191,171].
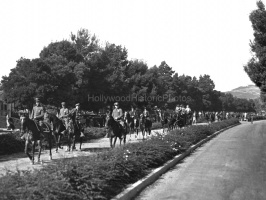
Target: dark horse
[58,129]
[32,134]
[115,130]
[181,119]
[145,125]
[129,124]
[133,125]
[172,122]
[75,130]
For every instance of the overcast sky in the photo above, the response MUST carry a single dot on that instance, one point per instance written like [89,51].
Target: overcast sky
[194,37]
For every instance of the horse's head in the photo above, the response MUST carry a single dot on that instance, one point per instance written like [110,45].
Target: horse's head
[24,123]
[109,121]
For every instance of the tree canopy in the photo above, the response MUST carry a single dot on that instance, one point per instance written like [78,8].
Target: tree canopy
[80,70]
[256,66]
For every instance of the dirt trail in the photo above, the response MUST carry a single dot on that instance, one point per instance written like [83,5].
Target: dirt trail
[21,161]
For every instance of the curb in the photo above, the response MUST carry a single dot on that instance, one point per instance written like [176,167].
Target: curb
[137,187]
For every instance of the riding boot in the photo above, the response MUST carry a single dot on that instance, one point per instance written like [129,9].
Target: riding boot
[41,132]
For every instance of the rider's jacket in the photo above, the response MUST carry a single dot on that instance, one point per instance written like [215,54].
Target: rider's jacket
[132,113]
[146,113]
[63,113]
[76,114]
[37,112]
[188,110]
[117,113]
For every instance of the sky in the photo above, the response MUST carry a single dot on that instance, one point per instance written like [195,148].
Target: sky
[194,37]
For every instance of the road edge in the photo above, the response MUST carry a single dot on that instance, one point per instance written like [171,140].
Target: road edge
[137,187]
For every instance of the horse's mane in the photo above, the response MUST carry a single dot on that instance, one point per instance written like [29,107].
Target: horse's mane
[52,116]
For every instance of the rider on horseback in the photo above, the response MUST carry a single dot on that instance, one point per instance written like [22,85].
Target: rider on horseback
[63,115]
[132,113]
[117,114]
[37,115]
[77,116]
[146,113]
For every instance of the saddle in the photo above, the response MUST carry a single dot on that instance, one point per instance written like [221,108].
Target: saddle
[45,126]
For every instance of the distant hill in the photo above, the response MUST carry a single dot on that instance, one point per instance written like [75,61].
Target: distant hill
[246,92]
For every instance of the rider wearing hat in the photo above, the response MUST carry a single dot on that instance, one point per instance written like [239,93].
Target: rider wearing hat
[117,113]
[146,113]
[63,115]
[132,112]
[77,116]
[38,114]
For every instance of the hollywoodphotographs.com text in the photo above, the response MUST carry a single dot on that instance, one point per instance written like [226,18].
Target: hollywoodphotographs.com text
[139,98]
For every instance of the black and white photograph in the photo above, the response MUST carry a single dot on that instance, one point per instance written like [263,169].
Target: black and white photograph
[133,100]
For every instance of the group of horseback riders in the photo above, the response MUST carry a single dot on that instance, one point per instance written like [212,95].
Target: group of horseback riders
[124,118]
[38,116]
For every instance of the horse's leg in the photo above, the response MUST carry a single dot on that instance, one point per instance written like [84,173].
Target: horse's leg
[59,141]
[115,141]
[26,149]
[125,137]
[68,141]
[49,136]
[56,144]
[111,141]
[40,149]
[74,143]
[80,141]
[33,151]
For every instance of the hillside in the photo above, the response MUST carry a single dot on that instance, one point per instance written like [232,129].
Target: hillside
[246,92]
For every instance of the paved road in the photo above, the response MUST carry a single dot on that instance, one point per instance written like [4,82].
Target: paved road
[231,166]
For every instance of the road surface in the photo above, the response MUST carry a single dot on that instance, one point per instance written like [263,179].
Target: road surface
[232,166]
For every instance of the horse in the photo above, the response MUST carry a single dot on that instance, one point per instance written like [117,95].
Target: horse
[164,123]
[128,123]
[32,134]
[75,130]
[58,130]
[145,125]
[172,122]
[189,118]
[133,124]
[115,130]
[181,119]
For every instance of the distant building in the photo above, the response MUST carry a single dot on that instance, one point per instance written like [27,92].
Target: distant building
[5,108]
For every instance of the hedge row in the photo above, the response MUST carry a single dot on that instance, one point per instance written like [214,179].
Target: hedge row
[106,174]
[256,118]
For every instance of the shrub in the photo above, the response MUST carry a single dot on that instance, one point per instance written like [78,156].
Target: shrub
[10,143]
[256,118]
[156,125]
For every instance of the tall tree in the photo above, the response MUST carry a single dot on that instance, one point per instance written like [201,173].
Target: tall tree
[85,43]
[256,66]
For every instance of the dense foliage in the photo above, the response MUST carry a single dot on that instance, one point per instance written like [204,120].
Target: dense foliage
[256,66]
[80,70]
[106,174]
